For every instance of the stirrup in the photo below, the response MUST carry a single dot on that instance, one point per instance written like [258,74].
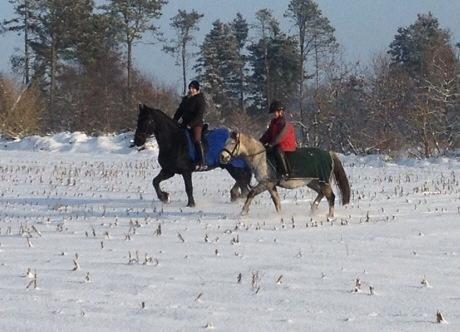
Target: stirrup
[284,177]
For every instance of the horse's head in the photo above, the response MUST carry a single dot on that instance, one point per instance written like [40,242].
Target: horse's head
[231,148]
[145,125]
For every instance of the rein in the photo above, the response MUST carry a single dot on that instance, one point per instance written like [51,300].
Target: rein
[257,153]
[237,147]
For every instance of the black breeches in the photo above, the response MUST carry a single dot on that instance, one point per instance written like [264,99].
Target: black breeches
[196,133]
[280,159]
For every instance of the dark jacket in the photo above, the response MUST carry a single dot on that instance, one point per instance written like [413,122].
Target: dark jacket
[191,110]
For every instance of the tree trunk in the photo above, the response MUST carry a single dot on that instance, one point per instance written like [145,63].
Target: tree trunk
[130,46]
[316,63]
[425,135]
[241,88]
[301,79]
[26,43]
[267,71]
[53,77]
[184,74]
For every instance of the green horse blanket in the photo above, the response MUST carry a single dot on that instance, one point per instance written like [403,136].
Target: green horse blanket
[311,163]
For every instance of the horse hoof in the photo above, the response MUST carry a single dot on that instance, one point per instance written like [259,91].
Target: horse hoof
[191,205]
[165,198]
[244,213]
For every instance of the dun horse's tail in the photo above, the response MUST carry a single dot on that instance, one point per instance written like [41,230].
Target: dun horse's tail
[341,179]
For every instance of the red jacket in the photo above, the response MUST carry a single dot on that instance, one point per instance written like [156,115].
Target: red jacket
[287,140]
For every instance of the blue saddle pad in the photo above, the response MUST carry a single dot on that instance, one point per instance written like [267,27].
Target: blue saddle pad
[214,141]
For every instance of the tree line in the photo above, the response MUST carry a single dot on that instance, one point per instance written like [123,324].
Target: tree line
[78,74]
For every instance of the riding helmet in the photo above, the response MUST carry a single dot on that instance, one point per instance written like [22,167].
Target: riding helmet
[275,105]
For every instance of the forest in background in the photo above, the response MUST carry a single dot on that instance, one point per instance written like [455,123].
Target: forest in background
[75,72]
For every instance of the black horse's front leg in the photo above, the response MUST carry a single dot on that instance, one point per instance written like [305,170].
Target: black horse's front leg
[258,189]
[163,175]
[189,188]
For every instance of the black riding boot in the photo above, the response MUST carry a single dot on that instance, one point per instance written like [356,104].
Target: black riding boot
[201,163]
[281,160]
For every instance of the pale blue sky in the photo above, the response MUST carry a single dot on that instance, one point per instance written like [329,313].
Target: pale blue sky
[363,27]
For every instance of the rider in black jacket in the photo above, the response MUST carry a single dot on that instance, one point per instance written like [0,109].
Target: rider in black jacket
[191,110]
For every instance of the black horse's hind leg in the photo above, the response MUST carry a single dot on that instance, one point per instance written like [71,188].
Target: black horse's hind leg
[163,175]
[242,186]
[235,192]
[189,188]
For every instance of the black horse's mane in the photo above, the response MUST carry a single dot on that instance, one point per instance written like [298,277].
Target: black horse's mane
[167,119]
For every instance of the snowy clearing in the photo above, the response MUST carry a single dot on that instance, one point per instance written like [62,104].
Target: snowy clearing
[80,213]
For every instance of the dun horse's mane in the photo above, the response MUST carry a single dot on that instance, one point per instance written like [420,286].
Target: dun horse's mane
[248,139]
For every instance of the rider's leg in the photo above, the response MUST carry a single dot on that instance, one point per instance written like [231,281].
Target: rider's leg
[201,163]
[281,160]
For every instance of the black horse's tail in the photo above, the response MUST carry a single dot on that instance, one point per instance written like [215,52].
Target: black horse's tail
[341,179]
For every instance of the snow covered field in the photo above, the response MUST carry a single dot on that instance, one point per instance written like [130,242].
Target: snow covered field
[143,265]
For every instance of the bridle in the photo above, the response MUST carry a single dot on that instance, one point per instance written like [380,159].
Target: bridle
[236,148]
[141,137]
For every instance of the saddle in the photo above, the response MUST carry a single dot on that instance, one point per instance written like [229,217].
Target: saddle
[213,141]
[311,163]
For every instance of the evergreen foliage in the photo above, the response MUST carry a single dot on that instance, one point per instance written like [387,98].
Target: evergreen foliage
[134,18]
[184,24]
[218,67]
[77,73]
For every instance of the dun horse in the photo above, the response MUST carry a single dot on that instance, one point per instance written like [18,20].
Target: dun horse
[173,156]
[325,166]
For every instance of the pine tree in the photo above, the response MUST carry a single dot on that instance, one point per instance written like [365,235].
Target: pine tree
[23,24]
[274,64]
[53,40]
[184,24]
[423,52]
[315,36]
[409,48]
[134,17]
[266,27]
[218,67]
[240,30]
[92,83]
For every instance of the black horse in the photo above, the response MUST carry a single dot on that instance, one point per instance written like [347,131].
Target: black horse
[173,157]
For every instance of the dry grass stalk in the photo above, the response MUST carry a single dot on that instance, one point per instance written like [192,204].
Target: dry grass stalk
[238,278]
[36,230]
[75,263]
[179,235]
[33,282]
[158,230]
[279,280]
[440,318]
[198,298]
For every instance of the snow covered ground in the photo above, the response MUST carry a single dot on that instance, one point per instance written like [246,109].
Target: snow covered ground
[143,265]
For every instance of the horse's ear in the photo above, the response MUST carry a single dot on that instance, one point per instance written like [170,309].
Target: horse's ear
[234,135]
[141,107]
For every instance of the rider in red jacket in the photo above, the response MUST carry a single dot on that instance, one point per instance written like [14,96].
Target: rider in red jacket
[280,136]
